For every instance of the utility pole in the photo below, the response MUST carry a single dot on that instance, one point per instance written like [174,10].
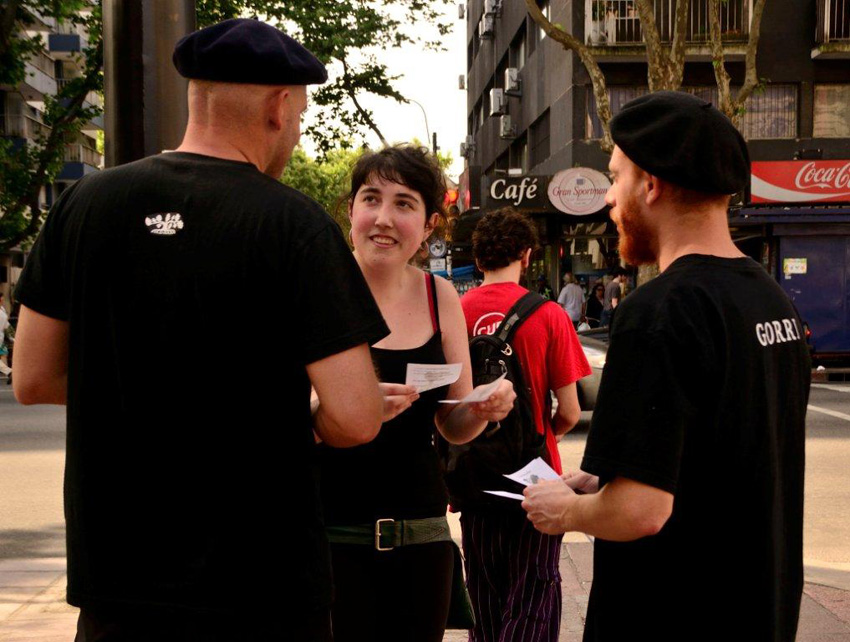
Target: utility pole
[145,98]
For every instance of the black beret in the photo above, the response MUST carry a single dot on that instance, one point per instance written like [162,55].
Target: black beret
[247,51]
[684,140]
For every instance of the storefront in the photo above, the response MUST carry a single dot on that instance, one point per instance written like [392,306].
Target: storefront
[797,224]
[576,234]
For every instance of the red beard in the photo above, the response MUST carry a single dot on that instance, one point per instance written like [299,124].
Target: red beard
[637,244]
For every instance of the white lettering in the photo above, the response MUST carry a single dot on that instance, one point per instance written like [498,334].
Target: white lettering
[810,175]
[777,326]
[780,331]
[789,329]
[496,184]
[769,334]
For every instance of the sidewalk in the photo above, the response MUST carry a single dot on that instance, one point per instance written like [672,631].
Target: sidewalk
[33,608]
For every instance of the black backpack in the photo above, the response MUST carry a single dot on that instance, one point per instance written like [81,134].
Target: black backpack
[505,446]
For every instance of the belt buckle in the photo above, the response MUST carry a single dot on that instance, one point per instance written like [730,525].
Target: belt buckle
[378,523]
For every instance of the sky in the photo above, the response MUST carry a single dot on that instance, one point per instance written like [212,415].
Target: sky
[431,78]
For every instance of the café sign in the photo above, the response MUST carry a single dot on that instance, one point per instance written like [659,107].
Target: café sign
[515,191]
[800,181]
[579,191]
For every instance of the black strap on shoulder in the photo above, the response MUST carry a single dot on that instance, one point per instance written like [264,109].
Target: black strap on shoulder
[521,310]
[434,298]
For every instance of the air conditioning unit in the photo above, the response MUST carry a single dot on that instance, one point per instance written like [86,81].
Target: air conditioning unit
[498,103]
[506,128]
[485,27]
[461,82]
[465,151]
[513,85]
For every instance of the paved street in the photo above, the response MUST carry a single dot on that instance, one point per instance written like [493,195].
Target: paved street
[32,547]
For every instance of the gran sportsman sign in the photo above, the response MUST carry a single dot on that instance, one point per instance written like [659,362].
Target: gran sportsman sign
[576,191]
[800,181]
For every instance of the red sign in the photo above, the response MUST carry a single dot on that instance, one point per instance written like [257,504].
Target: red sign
[800,181]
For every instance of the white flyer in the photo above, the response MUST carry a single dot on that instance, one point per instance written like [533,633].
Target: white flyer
[426,376]
[481,393]
[504,493]
[533,472]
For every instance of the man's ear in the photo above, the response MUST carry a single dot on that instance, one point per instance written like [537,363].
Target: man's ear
[653,188]
[277,102]
[526,258]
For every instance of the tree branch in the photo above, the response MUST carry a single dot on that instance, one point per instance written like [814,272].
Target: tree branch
[677,53]
[656,63]
[597,78]
[751,80]
[364,114]
[718,61]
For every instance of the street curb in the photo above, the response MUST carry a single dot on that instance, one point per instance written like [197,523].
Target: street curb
[833,575]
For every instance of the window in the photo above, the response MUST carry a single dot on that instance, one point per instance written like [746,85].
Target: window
[544,7]
[771,113]
[539,140]
[470,55]
[832,111]
[519,154]
[517,50]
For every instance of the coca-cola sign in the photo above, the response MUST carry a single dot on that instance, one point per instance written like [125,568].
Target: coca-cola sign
[800,181]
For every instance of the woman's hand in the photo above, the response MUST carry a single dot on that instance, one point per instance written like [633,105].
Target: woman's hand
[397,398]
[498,405]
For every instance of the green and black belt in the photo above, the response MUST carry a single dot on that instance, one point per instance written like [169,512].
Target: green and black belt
[387,534]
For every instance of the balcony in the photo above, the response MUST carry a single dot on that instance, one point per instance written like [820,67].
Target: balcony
[77,153]
[832,32]
[40,79]
[615,24]
[24,127]
[79,161]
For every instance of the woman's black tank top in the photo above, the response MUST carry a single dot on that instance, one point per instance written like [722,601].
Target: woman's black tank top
[397,475]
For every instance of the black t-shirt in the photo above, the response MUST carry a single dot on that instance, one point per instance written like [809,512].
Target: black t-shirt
[196,290]
[704,395]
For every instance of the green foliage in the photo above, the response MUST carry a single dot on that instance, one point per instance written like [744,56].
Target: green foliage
[324,180]
[334,30]
[25,170]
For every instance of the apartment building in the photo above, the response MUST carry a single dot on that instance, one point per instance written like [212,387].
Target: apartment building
[533,134]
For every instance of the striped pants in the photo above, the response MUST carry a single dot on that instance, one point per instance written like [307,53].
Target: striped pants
[513,578]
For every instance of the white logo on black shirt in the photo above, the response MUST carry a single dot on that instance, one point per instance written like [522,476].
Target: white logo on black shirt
[782,331]
[166,224]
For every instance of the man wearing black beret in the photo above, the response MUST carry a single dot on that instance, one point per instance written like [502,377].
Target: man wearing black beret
[191,500]
[692,477]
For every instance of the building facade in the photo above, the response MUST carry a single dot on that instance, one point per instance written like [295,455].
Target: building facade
[22,115]
[531,115]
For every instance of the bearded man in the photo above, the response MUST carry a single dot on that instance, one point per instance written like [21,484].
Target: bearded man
[692,477]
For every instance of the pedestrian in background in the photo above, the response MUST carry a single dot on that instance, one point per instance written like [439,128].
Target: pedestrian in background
[193,512]
[693,468]
[613,294]
[4,350]
[543,288]
[512,569]
[385,502]
[595,303]
[571,298]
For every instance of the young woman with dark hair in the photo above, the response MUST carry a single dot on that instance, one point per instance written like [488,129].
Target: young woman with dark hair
[385,502]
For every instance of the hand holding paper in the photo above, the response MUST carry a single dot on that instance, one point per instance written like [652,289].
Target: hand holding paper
[534,471]
[427,376]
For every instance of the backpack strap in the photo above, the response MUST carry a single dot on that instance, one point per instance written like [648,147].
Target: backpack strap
[520,311]
[431,286]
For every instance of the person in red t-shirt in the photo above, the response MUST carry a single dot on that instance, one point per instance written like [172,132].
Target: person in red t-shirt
[512,569]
